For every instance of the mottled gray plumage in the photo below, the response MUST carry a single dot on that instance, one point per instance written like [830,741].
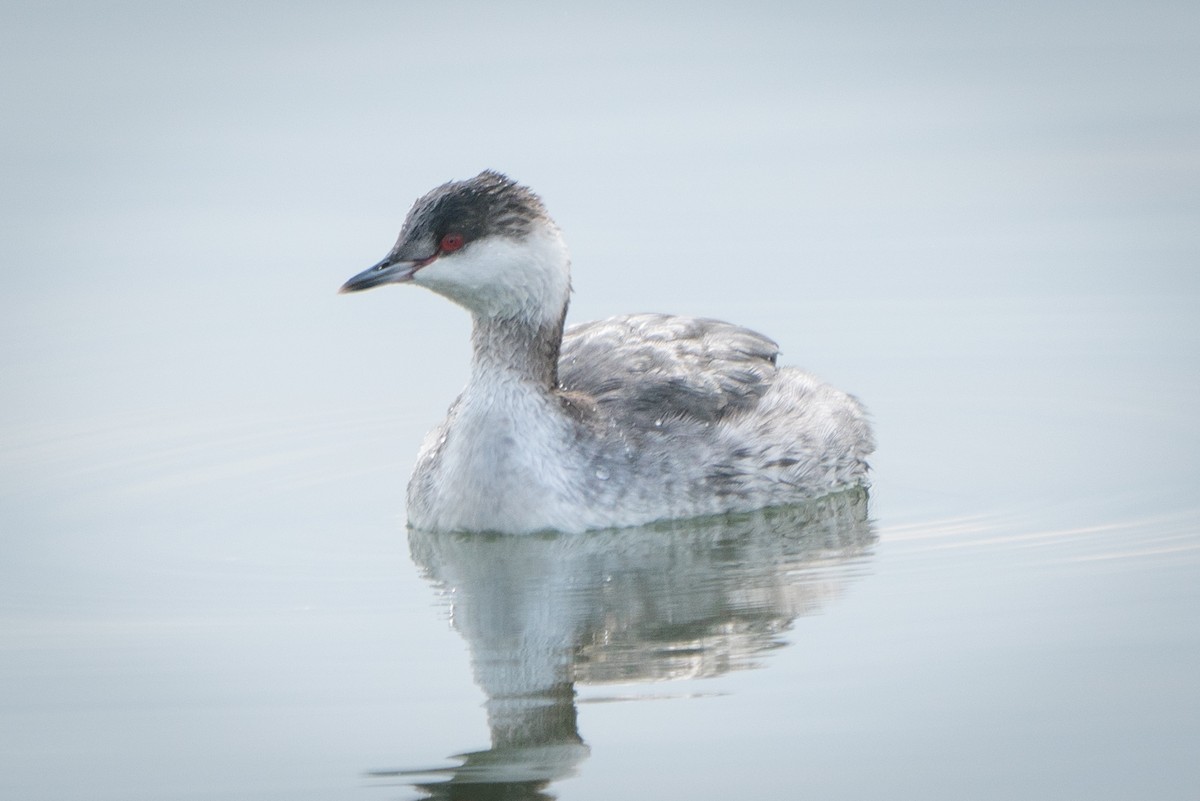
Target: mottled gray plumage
[695,413]
[616,422]
[647,367]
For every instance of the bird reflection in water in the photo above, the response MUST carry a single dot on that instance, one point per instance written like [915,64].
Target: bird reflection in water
[672,600]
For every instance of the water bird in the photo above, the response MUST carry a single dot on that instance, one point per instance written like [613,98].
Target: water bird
[612,423]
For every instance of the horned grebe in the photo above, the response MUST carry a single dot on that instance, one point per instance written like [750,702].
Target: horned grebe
[612,423]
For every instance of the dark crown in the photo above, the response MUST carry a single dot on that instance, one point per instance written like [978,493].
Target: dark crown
[490,204]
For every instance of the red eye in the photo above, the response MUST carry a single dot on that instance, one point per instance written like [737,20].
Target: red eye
[451,243]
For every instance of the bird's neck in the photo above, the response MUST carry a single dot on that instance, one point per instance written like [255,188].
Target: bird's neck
[508,349]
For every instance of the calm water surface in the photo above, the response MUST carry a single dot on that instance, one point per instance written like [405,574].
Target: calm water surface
[981,223]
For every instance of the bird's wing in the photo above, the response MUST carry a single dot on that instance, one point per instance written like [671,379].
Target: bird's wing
[656,366]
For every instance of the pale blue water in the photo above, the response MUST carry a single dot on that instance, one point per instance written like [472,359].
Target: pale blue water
[982,222]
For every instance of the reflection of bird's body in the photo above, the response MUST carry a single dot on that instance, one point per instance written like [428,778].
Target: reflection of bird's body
[613,423]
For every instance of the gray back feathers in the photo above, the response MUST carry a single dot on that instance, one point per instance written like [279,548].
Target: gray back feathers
[651,368]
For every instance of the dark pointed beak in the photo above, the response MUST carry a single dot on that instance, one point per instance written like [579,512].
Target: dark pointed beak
[388,271]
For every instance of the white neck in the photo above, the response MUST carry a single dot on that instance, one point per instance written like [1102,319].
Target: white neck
[507,436]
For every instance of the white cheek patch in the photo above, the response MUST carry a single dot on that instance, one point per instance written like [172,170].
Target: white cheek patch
[495,277]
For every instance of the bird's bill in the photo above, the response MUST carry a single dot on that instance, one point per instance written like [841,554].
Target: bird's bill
[388,271]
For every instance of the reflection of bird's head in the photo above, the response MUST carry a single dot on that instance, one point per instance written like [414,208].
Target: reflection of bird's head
[669,600]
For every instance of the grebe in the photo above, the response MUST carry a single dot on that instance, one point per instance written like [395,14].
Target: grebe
[613,423]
